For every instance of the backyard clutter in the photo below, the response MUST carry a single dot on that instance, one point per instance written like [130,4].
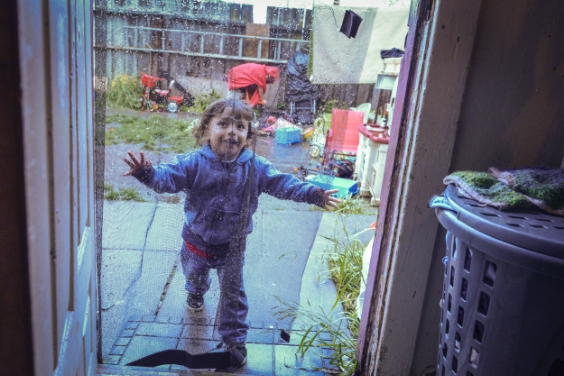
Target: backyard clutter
[321,143]
[155,94]
[155,99]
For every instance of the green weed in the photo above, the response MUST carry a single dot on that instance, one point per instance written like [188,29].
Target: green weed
[202,101]
[344,257]
[123,194]
[348,205]
[156,133]
[330,104]
[330,331]
[125,92]
[352,205]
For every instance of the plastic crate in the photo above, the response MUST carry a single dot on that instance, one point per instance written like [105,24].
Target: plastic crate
[287,136]
[502,306]
[346,187]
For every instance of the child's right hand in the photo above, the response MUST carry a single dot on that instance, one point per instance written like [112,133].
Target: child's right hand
[136,166]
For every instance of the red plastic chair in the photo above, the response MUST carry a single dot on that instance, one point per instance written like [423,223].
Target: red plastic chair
[343,136]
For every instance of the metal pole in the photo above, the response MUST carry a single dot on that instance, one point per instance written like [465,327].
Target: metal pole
[259,49]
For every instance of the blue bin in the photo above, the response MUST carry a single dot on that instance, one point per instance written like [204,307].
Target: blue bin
[287,136]
[346,187]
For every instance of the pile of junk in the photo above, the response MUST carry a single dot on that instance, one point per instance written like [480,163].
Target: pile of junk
[333,138]
[158,93]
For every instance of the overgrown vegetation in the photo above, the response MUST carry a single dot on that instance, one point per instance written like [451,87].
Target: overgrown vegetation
[348,205]
[123,194]
[202,101]
[330,331]
[125,92]
[155,133]
[352,205]
[340,330]
[344,257]
[330,104]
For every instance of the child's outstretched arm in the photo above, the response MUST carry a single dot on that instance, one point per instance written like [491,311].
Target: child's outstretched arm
[330,201]
[164,178]
[136,166]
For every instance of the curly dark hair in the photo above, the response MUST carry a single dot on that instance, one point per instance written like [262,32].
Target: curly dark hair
[240,110]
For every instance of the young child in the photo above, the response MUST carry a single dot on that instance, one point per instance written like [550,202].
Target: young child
[222,181]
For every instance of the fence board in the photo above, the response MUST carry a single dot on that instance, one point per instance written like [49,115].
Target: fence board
[190,15]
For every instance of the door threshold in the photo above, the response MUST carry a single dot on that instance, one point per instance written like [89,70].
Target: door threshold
[114,370]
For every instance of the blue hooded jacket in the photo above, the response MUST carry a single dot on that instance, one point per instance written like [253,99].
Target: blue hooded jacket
[215,190]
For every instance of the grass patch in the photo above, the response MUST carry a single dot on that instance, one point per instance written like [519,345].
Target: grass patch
[348,205]
[339,340]
[156,133]
[344,257]
[352,205]
[122,194]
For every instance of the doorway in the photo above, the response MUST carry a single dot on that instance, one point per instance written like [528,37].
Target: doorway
[289,254]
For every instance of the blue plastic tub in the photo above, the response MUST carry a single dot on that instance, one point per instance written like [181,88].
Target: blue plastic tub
[346,187]
[287,136]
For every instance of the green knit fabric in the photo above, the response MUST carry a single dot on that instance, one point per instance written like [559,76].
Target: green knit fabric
[513,189]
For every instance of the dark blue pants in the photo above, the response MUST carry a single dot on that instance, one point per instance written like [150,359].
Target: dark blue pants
[233,306]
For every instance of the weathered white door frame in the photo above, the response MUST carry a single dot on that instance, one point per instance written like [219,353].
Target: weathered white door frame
[430,94]
[55,38]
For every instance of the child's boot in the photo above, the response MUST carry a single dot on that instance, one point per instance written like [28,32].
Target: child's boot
[238,353]
[195,302]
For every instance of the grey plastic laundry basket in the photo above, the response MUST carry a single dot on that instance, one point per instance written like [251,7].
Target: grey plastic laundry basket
[502,307]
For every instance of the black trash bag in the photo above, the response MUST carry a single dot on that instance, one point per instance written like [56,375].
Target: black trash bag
[394,52]
[298,86]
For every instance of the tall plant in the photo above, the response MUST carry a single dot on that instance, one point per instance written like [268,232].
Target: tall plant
[125,92]
[335,331]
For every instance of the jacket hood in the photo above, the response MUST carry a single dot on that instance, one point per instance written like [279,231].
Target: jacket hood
[207,152]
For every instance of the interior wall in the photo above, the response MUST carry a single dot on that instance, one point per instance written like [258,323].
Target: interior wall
[512,115]
[15,320]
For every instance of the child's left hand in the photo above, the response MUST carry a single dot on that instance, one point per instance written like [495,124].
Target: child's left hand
[330,201]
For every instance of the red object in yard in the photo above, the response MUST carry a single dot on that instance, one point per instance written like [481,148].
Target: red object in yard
[245,75]
[176,99]
[380,135]
[149,81]
[343,135]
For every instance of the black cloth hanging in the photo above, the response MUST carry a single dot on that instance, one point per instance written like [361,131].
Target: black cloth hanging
[350,24]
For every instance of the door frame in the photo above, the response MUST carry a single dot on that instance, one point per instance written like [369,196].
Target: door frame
[428,103]
[54,87]
[423,139]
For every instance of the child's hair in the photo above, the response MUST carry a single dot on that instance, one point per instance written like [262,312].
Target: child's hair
[240,110]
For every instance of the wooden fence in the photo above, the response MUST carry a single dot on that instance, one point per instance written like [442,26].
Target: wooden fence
[204,40]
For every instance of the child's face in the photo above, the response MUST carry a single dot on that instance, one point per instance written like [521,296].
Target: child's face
[227,135]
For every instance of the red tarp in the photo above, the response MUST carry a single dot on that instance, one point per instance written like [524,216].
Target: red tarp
[245,75]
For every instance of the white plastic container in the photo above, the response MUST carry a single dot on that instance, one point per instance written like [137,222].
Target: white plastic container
[370,162]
